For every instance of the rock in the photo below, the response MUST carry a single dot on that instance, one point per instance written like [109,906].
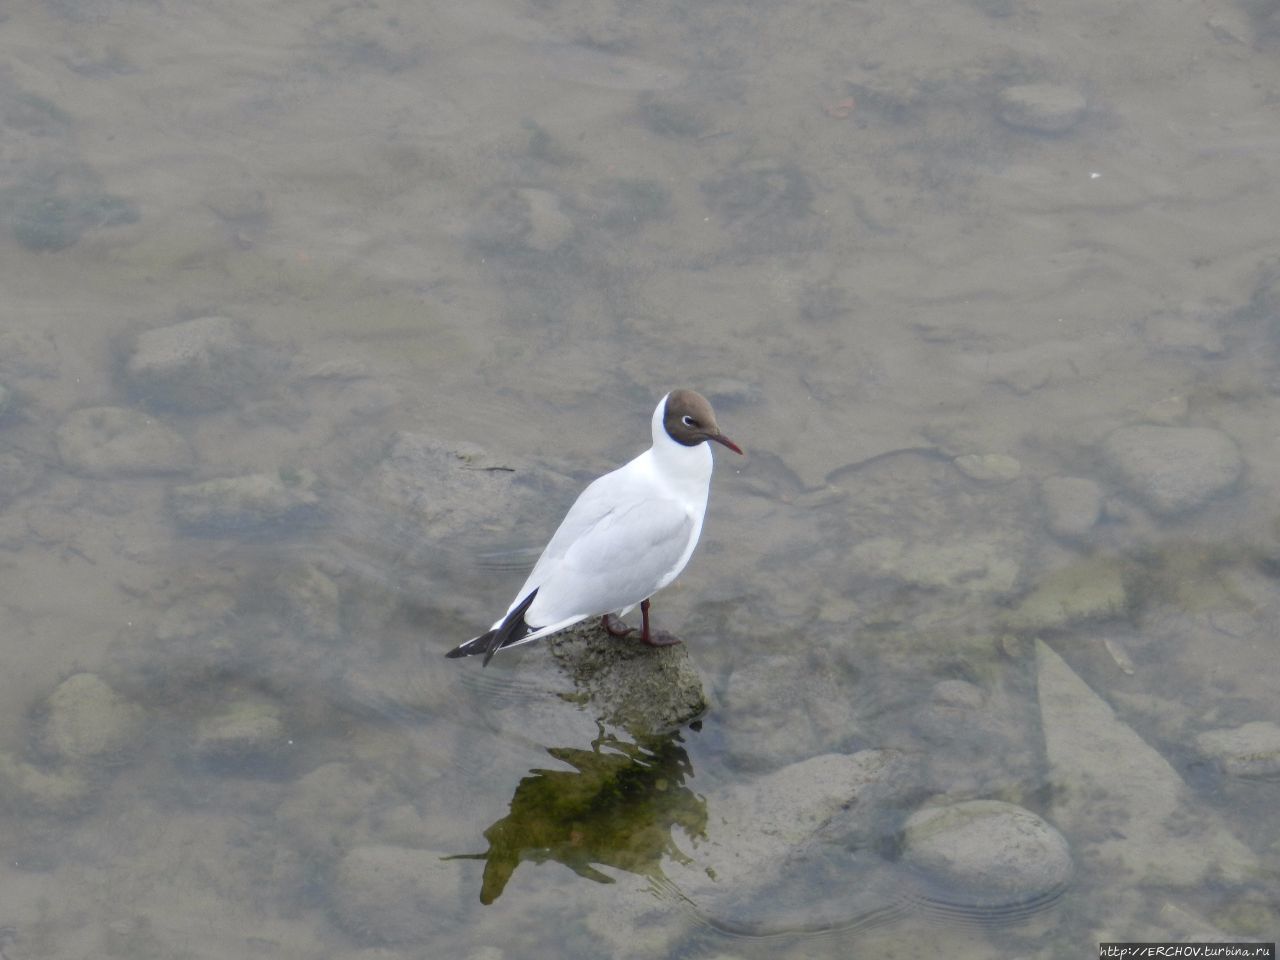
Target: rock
[970,565]
[525,219]
[1174,469]
[390,894]
[1145,825]
[88,720]
[115,441]
[52,222]
[311,601]
[246,731]
[329,810]
[799,846]
[1072,506]
[962,729]
[17,475]
[454,492]
[959,694]
[59,793]
[254,503]
[1040,107]
[779,707]
[989,467]
[986,853]
[1252,750]
[644,690]
[1194,333]
[1090,590]
[190,367]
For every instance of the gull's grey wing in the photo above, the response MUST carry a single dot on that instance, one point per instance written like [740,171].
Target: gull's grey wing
[624,557]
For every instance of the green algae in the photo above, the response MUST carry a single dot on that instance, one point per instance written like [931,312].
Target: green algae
[615,808]
[1090,590]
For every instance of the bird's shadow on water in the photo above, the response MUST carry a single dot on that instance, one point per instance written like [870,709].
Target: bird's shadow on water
[616,807]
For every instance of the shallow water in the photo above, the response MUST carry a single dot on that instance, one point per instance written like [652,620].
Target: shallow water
[513,227]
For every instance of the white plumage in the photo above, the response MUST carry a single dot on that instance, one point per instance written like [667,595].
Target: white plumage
[628,535]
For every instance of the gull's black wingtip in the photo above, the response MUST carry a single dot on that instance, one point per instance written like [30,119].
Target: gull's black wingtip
[471,647]
[511,630]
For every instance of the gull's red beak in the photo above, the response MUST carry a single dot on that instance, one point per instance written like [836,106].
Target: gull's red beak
[721,438]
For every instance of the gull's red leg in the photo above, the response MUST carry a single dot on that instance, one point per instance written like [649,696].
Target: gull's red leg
[620,631]
[657,638]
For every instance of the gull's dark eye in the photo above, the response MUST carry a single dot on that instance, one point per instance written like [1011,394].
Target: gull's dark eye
[688,421]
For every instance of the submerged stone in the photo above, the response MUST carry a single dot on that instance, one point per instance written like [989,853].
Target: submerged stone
[1174,469]
[246,731]
[986,853]
[1091,590]
[989,467]
[196,365]
[254,503]
[800,846]
[1041,107]
[1072,505]
[116,441]
[64,791]
[87,719]
[1251,750]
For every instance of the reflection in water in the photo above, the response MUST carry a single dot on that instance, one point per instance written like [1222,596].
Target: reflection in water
[616,808]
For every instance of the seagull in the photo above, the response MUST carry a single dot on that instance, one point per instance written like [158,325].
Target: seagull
[627,536]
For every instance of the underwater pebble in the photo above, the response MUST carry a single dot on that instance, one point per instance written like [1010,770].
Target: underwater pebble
[957,693]
[1072,505]
[768,838]
[525,219]
[1252,750]
[312,603]
[253,503]
[87,719]
[968,564]
[61,792]
[1040,107]
[454,491]
[780,706]
[194,366]
[989,467]
[987,853]
[246,730]
[1174,469]
[389,894]
[549,226]
[115,441]
[329,809]
[18,474]
[1089,590]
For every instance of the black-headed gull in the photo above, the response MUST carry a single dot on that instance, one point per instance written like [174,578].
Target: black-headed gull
[627,536]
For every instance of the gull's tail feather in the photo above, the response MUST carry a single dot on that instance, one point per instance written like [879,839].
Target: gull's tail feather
[512,630]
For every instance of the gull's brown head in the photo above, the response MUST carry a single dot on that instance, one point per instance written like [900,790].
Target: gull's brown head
[689,420]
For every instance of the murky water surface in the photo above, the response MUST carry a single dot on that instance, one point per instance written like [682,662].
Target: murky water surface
[316,317]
